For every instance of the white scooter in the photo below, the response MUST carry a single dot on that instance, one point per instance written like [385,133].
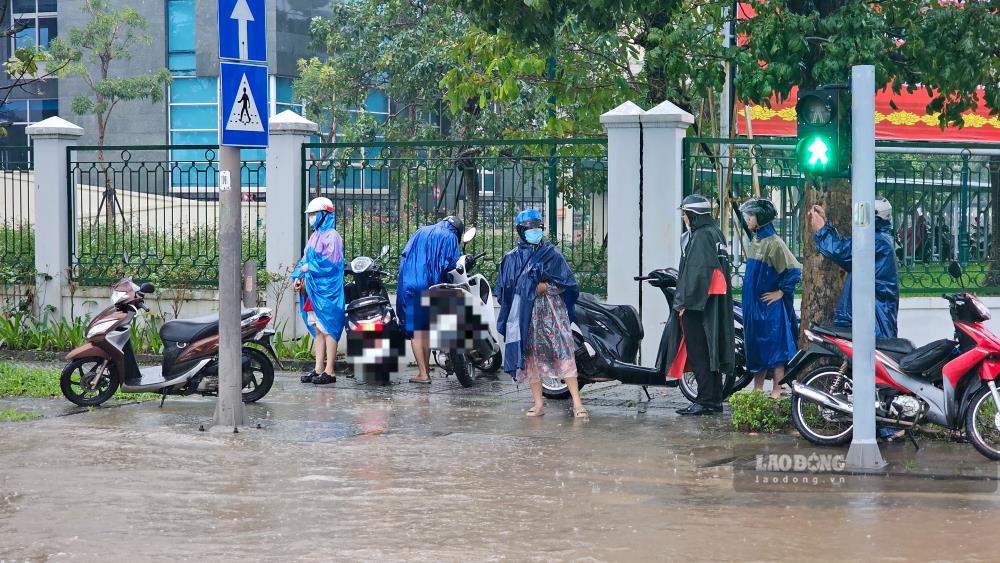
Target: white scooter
[464,335]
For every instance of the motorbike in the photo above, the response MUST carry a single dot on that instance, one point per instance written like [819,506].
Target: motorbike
[375,341]
[465,306]
[190,363]
[607,339]
[949,382]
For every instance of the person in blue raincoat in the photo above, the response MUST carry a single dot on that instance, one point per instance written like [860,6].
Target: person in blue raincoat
[537,291]
[770,327]
[427,257]
[320,274]
[837,248]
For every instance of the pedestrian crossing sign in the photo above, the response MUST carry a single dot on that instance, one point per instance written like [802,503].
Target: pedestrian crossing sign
[244,99]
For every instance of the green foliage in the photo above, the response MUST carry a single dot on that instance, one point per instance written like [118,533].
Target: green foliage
[13,415]
[20,331]
[605,52]
[109,35]
[42,383]
[947,48]
[753,411]
[300,349]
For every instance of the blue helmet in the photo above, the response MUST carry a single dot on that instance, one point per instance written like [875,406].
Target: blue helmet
[528,219]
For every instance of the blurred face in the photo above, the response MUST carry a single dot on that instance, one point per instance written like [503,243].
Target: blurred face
[687,222]
[751,221]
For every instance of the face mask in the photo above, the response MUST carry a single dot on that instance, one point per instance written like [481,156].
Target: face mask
[313,217]
[533,236]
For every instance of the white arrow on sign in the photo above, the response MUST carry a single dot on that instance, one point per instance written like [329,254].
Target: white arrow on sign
[242,14]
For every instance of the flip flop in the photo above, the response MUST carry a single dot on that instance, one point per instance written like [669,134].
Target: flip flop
[535,412]
[418,380]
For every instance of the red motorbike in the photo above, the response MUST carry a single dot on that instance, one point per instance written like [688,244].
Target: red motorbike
[951,383]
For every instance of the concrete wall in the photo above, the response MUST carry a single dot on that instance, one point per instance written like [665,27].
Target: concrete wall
[134,122]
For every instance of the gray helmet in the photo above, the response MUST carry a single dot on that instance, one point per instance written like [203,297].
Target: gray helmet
[760,208]
[697,204]
[456,223]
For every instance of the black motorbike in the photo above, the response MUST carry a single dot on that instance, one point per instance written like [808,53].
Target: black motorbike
[375,341]
[607,339]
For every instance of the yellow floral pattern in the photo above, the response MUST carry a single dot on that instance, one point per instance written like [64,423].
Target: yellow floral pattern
[762,113]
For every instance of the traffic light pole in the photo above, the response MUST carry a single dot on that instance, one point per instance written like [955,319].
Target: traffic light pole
[864,453]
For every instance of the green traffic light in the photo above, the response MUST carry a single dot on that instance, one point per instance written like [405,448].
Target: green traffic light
[818,152]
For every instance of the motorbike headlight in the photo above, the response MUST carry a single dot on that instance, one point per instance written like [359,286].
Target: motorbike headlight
[101,328]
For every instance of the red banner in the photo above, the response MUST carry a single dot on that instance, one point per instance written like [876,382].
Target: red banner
[908,121]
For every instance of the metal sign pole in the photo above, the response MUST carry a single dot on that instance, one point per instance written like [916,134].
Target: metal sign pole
[243,123]
[864,453]
[229,406]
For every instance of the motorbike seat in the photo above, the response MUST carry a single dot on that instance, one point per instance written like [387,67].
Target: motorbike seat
[625,315]
[195,328]
[895,347]
[363,303]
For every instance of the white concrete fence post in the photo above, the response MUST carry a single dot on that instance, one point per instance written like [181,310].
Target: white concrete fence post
[624,182]
[288,132]
[52,221]
[663,130]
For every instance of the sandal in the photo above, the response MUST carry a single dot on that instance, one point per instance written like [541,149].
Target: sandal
[419,380]
[581,413]
[533,412]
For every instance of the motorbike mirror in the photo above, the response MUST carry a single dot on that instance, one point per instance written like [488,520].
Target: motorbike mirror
[469,235]
[955,269]
[147,288]
[385,250]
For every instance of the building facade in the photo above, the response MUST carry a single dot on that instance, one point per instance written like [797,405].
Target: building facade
[184,40]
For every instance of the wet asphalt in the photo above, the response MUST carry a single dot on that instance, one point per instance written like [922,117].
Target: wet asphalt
[408,472]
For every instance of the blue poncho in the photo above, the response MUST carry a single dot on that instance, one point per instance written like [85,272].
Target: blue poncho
[324,254]
[838,248]
[429,254]
[769,331]
[520,273]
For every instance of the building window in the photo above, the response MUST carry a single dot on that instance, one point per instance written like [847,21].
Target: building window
[284,96]
[38,21]
[181,35]
[20,114]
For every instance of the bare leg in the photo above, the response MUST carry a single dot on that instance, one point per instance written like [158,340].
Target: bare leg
[574,392]
[319,347]
[758,380]
[779,374]
[536,393]
[422,353]
[331,354]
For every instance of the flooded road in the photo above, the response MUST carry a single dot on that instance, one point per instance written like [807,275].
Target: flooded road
[441,473]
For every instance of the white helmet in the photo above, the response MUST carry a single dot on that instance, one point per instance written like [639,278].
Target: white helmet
[883,209]
[319,204]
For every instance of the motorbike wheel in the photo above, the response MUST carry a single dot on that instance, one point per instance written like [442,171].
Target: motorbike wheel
[464,370]
[76,382]
[491,365]
[258,375]
[820,425]
[555,389]
[982,424]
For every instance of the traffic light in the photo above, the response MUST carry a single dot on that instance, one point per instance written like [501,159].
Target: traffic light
[824,132]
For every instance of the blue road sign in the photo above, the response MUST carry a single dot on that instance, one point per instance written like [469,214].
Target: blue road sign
[244,105]
[242,33]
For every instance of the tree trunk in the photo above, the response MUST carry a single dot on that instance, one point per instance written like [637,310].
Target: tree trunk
[822,280]
[993,272]
[109,199]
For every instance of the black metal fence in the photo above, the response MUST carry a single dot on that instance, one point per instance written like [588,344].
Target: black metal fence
[943,198]
[383,192]
[152,212]
[17,233]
